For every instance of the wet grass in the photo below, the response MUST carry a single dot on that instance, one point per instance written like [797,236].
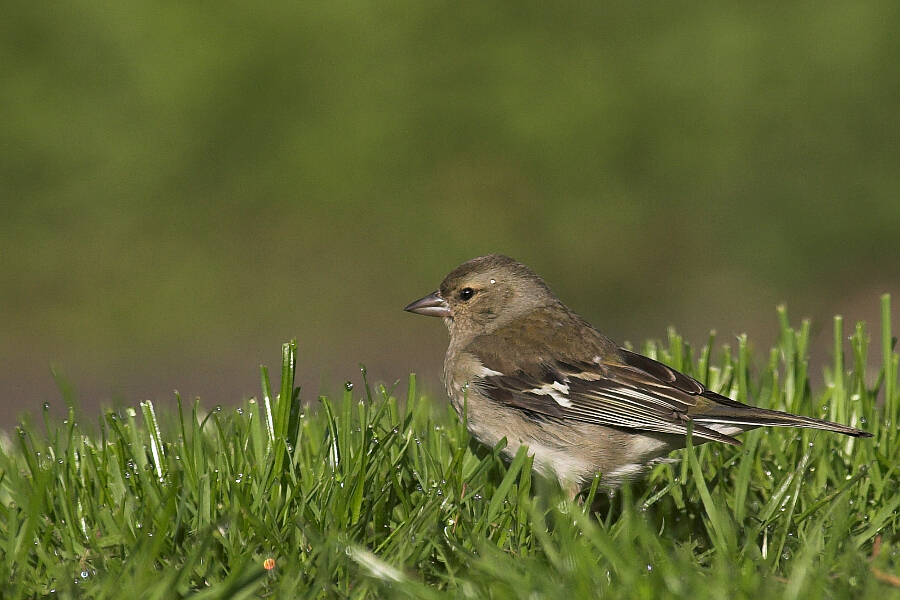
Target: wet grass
[371,495]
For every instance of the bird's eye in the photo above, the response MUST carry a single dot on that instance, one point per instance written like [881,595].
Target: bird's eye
[466,293]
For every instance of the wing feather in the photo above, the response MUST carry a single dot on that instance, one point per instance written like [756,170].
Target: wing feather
[612,395]
[561,368]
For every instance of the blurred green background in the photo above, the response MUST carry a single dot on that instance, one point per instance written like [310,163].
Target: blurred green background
[185,185]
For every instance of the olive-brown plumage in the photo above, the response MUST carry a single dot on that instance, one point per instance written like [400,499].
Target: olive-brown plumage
[527,368]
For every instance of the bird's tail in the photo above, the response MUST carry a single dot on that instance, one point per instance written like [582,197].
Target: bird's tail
[724,411]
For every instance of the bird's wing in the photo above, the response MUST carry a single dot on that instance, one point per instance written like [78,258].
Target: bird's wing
[622,389]
[617,396]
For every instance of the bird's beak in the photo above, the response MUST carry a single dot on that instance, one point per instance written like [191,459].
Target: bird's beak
[432,305]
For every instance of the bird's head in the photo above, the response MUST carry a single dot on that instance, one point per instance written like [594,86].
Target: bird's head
[484,294]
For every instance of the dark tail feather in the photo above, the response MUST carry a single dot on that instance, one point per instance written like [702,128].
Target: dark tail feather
[725,411]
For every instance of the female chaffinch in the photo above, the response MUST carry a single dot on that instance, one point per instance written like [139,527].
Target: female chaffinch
[522,366]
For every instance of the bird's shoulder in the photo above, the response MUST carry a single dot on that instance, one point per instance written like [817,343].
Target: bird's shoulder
[542,337]
[559,340]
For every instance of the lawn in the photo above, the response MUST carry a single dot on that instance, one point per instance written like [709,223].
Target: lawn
[370,495]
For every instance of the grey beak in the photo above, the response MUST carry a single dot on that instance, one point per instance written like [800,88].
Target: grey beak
[432,305]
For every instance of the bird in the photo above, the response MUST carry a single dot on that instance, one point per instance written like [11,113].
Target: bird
[523,366]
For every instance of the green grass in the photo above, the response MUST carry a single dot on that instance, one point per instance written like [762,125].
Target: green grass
[367,495]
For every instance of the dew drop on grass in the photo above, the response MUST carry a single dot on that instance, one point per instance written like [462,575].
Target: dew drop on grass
[348,385]
[46,406]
